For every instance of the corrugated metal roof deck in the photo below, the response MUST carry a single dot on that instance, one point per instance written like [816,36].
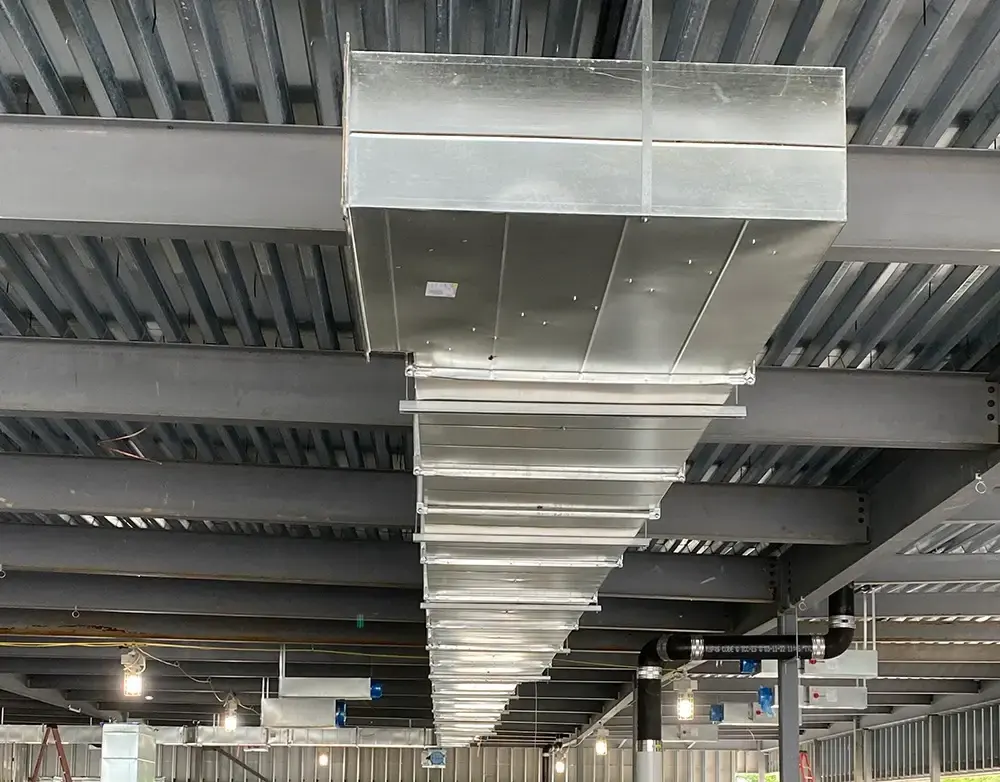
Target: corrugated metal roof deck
[920,73]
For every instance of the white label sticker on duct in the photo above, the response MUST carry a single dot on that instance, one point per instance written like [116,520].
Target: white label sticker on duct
[441,290]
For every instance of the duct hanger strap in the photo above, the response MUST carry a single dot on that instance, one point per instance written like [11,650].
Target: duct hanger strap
[424,372]
[647,109]
[587,409]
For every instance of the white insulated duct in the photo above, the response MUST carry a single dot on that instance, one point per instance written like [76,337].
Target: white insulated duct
[580,283]
[243,736]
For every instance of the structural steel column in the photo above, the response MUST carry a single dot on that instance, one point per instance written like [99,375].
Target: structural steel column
[935,747]
[788,707]
[862,752]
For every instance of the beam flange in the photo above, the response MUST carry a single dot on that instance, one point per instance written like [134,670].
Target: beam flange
[16,685]
[935,632]
[939,653]
[119,487]
[53,564]
[863,408]
[936,604]
[262,387]
[903,209]
[935,569]
[143,381]
[126,487]
[767,514]
[199,180]
[86,594]
[33,603]
[730,579]
[249,182]
[179,555]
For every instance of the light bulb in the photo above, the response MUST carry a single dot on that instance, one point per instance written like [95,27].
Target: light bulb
[560,766]
[132,685]
[601,747]
[230,721]
[685,706]
[324,760]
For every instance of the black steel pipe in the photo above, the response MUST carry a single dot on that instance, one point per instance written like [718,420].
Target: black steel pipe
[648,697]
[685,648]
[836,640]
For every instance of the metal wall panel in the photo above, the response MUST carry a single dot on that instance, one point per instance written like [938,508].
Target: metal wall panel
[971,740]
[833,759]
[296,764]
[584,765]
[351,764]
[901,751]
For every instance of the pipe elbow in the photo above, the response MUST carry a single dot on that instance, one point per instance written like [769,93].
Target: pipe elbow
[649,655]
[837,641]
[840,634]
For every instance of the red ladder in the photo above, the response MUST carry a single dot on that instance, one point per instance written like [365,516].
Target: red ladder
[805,768]
[51,730]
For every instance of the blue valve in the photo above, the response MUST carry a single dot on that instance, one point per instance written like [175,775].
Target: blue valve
[765,699]
[716,713]
[340,715]
[749,667]
[376,690]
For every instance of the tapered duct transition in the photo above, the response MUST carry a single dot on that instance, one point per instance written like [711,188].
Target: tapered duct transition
[581,263]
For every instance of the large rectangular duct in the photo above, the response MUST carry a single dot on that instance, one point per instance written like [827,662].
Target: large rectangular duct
[210,735]
[128,753]
[582,264]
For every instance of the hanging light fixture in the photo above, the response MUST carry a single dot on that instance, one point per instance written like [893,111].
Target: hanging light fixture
[133,665]
[560,766]
[323,760]
[230,718]
[601,745]
[685,699]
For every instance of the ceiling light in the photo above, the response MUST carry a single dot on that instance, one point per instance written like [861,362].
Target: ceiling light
[324,760]
[132,685]
[685,698]
[560,766]
[601,746]
[685,705]
[230,719]
[133,664]
[149,697]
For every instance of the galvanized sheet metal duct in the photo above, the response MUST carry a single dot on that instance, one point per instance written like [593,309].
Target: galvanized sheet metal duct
[572,332]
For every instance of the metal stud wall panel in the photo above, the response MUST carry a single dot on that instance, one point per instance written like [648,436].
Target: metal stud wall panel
[833,759]
[295,764]
[969,744]
[583,765]
[971,740]
[901,751]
